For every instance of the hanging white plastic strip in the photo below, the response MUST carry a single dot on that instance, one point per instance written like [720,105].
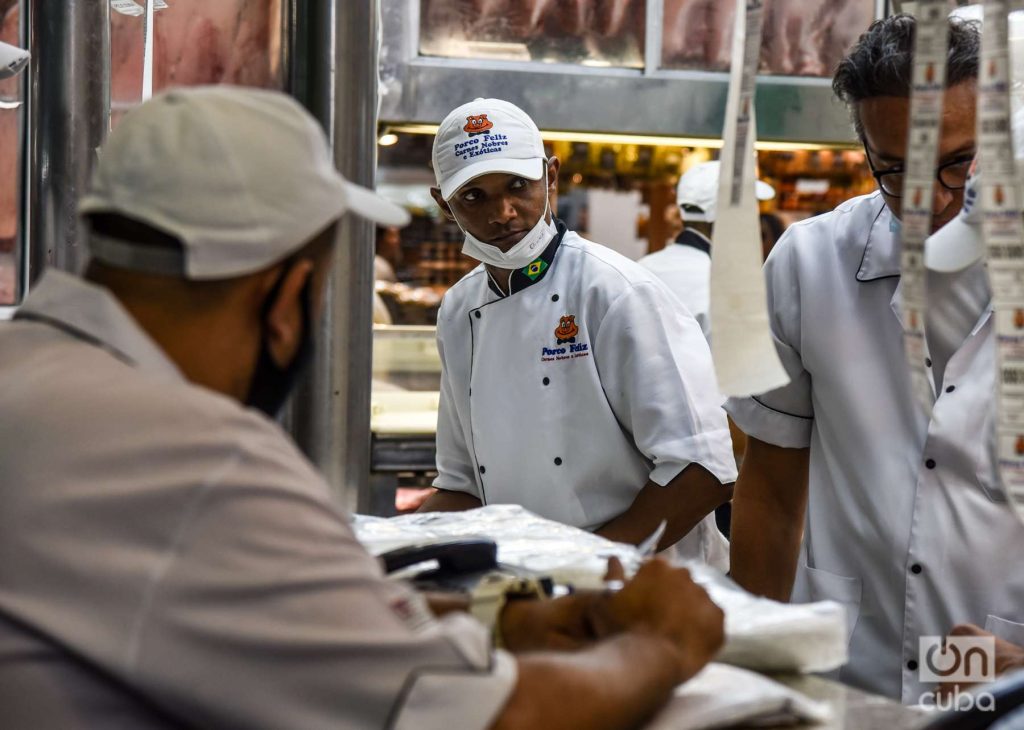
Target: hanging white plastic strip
[132,8]
[929,80]
[1003,233]
[746,362]
[147,49]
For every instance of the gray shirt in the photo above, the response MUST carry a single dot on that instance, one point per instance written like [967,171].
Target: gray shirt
[168,558]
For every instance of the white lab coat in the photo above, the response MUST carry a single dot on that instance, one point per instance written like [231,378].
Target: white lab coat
[686,271]
[906,525]
[573,431]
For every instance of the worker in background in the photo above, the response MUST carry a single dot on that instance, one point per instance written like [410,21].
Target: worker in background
[685,266]
[388,257]
[772,228]
[900,511]
[388,252]
[170,559]
[573,382]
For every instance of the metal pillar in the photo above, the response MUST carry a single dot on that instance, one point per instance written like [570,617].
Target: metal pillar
[330,415]
[67,120]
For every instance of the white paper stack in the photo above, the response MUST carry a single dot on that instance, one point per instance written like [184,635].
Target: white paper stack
[722,696]
[761,634]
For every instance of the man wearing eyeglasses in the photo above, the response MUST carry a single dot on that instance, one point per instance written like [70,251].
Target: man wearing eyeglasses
[848,490]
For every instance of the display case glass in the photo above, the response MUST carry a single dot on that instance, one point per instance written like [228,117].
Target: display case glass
[801,37]
[406,380]
[585,32]
[195,42]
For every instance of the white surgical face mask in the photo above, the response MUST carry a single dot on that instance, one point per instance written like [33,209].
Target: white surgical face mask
[523,253]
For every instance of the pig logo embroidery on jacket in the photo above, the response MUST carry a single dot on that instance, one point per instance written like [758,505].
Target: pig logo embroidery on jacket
[567,329]
[478,124]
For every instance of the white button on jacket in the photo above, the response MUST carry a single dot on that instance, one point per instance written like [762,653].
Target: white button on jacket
[569,395]
[905,523]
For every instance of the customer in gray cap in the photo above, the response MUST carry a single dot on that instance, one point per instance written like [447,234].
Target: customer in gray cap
[168,558]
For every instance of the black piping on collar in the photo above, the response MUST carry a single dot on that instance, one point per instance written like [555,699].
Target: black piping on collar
[861,276]
[536,271]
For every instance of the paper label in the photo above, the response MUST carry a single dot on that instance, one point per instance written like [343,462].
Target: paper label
[1003,231]
[746,362]
[929,81]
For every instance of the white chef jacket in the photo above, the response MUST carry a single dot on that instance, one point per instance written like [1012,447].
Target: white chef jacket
[906,525]
[168,558]
[686,270]
[573,430]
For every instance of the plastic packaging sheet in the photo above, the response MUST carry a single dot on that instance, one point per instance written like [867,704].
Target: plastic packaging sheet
[722,696]
[761,634]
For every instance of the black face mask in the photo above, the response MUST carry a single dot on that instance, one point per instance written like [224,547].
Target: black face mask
[271,383]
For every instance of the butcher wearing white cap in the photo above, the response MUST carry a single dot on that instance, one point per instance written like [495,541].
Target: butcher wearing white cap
[685,265]
[170,559]
[573,382]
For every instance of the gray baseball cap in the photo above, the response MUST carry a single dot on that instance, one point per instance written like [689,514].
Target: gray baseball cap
[242,177]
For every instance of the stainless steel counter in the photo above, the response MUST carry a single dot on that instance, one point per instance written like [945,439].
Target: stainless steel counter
[854,709]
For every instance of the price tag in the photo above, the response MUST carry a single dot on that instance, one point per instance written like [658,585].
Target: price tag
[929,80]
[1003,232]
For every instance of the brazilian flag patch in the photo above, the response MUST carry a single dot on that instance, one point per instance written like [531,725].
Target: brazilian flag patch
[535,269]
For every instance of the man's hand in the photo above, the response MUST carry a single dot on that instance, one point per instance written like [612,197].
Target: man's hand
[661,629]
[665,601]
[1009,657]
[661,600]
[563,624]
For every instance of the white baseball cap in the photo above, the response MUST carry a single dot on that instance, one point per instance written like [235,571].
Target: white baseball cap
[483,137]
[242,177]
[959,243]
[699,188]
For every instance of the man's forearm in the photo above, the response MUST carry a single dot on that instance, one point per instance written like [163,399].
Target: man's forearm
[619,683]
[764,548]
[767,519]
[445,500]
[682,503]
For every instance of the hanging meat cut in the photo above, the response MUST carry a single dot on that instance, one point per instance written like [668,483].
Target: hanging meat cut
[567,30]
[801,37]
[199,42]
[196,42]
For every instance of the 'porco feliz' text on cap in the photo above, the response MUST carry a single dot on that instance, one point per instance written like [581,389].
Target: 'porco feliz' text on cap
[483,137]
[243,178]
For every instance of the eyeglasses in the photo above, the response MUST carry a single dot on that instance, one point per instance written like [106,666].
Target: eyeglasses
[952,175]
